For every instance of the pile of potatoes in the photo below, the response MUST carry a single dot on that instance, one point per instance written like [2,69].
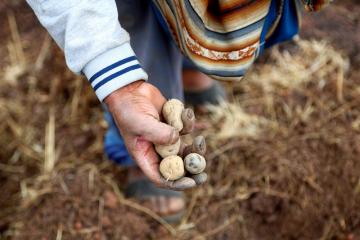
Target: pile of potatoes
[179,159]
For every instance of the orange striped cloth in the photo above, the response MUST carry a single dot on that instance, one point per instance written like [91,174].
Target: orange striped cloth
[221,37]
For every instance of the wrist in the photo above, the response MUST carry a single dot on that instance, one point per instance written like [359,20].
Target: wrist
[113,69]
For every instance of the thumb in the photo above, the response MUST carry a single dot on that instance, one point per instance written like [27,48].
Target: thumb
[152,130]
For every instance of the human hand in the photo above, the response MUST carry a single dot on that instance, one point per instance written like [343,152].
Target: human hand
[136,110]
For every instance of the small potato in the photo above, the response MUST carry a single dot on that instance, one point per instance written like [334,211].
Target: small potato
[195,163]
[188,119]
[168,150]
[172,111]
[198,146]
[172,168]
[200,178]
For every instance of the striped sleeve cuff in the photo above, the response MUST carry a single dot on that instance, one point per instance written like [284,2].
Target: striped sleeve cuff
[114,69]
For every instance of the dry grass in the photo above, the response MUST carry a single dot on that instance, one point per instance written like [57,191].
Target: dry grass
[292,128]
[314,60]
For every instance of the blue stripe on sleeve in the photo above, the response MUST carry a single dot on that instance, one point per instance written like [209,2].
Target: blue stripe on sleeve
[112,66]
[115,75]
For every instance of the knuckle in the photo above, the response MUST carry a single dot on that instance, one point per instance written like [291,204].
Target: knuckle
[168,136]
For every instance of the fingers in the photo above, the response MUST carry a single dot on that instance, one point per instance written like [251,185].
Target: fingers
[136,111]
[188,119]
[181,184]
[148,161]
[146,158]
[156,132]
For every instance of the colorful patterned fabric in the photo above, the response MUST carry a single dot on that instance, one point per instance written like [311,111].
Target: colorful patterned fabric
[224,37]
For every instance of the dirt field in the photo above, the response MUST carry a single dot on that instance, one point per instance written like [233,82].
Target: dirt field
[284,155]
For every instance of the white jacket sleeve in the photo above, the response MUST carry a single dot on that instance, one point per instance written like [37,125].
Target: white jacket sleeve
[93,41]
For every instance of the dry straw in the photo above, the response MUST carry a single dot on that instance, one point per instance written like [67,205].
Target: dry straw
[51,123]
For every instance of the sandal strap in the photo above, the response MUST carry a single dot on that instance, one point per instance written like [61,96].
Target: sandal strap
[143,189]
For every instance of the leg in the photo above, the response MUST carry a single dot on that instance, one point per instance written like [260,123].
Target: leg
[162,61]
[160,58]
[199,88]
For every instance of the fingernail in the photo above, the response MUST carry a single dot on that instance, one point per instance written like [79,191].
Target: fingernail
[174,136]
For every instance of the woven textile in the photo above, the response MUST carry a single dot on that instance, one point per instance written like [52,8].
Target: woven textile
[222,37]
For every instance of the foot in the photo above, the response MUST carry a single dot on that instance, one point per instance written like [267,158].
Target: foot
[166,203]
[199,89]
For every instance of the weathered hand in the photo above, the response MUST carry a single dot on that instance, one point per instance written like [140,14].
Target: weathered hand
[136,110]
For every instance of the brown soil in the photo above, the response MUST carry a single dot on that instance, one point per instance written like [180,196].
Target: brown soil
[299,178]
[339,25]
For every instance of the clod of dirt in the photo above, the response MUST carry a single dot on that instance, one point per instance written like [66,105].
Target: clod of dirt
[105,221]
[78,225]
[172,168]
[110,200]
[264,204]
[194,163]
